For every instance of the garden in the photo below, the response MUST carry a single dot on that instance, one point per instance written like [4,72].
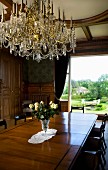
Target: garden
[92,95]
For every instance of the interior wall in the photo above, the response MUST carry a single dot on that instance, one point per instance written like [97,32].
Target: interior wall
[42,72]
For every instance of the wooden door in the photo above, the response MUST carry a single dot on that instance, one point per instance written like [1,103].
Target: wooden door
[6,89]
[0,96]
[16,87]
[10,69]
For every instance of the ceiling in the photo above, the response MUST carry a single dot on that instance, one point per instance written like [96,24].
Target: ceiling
[90,17]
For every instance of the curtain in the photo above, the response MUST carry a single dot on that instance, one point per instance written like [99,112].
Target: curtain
[60,75]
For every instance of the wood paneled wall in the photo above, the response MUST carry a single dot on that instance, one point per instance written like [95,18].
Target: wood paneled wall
[32,91]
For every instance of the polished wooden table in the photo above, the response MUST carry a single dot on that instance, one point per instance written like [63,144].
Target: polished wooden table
[58,153]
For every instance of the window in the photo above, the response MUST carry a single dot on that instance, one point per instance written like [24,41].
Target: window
[89,81]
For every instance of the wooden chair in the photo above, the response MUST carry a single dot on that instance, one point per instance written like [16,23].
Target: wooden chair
[91,160]
[95,144]
[87,160]
[99,131]
[25,107]
[3,123]
[19,117]
[26,111]
[77,108]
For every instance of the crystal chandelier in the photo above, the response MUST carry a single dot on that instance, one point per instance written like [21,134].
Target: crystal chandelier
[35,32]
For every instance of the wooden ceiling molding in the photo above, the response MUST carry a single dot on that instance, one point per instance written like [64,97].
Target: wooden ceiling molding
[98,19]
[93,47]
[86,22]
[87,32]
[7,3]
[93,20]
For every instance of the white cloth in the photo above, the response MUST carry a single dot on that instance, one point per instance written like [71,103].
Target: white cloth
[42,136]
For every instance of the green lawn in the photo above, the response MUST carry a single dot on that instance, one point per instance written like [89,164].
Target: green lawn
[90,109]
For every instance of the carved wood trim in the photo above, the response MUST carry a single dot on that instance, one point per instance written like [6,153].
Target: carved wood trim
[97,19]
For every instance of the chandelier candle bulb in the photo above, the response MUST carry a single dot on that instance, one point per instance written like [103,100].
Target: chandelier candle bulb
[52,7]
[13,8]
[48,2]
[44,10]
[39,6]
[63,16]
[71,23]
[3,16]
[22,5]
[16,9]
[42,6]
[59,14]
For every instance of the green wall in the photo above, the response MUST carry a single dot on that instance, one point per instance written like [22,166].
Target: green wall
[42,72]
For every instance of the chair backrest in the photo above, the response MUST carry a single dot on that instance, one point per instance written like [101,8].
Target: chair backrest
[77,108]
[88,160]
[93,143]
[91,160]
[25,107]
[105,118]
[103,125]
[40,97]
[3,123]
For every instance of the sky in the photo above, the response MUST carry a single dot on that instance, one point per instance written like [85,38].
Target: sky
[91,67]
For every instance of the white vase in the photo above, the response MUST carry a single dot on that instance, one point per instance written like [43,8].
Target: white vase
[45,124]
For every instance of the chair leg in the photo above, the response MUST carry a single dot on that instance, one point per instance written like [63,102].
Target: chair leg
[5,125]
[100,160]
[103,157]
[15,122]
[104,143]
[103,148]
[25,119]
[19,117]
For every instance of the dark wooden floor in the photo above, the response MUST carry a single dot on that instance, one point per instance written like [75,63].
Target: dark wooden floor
[10,123]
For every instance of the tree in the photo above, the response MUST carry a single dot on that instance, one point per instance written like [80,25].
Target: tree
[103,85]
[85,83]
[97,89]
[65,91]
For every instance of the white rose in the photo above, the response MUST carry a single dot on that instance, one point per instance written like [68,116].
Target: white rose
[36,106]
[42,102]
[50,103]
[42,117]
[31,106]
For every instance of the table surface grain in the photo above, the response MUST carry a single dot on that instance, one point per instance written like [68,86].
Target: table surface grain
[59,152]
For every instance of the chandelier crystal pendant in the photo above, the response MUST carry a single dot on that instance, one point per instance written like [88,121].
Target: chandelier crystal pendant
[35,32]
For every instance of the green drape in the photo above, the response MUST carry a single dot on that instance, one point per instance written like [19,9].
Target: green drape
[61,66]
